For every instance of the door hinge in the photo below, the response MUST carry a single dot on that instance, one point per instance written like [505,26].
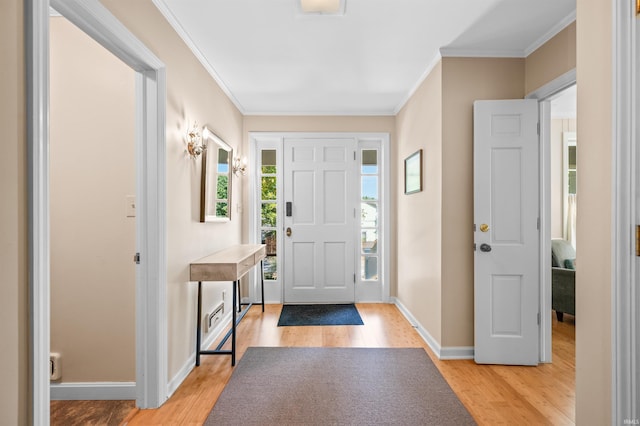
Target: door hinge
[474,246]
[638,240]
[474,227]
[136,258]
[354,156]
[538,318]
[354,278]
[538,127]
[538,224]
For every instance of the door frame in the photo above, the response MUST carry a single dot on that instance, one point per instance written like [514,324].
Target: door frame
[625,296]
[385,161]
[544,95]
[151,320]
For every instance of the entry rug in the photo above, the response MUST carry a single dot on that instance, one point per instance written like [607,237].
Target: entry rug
[337,386]
[295,315]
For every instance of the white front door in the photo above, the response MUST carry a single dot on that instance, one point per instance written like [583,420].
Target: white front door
[506,217]
[319,220]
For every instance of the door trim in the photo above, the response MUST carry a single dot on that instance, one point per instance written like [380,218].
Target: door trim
[253,137]
[151,320]
[625,297]
[544,95]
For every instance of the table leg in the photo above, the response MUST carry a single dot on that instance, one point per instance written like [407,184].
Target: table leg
[239,296]
[199,323]
[233,325]
[262,282]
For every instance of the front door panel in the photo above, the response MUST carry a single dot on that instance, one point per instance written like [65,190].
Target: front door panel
[319,252]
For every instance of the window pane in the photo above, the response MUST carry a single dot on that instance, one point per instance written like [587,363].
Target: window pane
[269,238]
[369,187]
[269,161]
[369,215]
[223,187]
[369,161]
[572,182]
[572,157]
[269,188]
[270,268]
[369,241]
[223,161]
[369,268]
[269,214]
[221,209]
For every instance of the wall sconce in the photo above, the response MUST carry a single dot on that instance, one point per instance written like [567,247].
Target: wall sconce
[239,166]
[194,142]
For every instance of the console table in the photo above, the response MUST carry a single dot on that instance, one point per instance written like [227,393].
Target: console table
[229,264]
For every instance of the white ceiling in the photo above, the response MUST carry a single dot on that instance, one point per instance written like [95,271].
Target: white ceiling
[271,59]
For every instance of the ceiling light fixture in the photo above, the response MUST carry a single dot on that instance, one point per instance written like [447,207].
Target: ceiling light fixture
[329,7]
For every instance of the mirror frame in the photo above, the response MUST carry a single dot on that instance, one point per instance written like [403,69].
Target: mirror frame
[205,190]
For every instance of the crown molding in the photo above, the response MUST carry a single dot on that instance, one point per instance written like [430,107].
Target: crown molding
[175,24]
[561,25]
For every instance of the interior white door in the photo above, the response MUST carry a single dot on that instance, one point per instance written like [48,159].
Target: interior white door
[506,217]
[319,222]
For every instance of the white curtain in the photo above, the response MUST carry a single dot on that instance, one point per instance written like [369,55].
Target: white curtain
[570,220]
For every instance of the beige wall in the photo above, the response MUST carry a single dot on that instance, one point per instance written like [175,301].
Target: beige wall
[364,124]
[191,95]
[435,259]
[14,324]
[558,127]
[593,278]
[464,81]
[551,60]
[419,215]
[92,170]
[445,308]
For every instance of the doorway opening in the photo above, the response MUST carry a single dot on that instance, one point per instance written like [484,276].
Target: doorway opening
[92,217]
[564,184]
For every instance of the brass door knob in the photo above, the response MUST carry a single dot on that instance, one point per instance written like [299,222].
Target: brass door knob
[288,232]
[484,227]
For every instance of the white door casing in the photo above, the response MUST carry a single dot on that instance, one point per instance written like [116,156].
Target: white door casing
[506,217]
[151,340]
[319,252]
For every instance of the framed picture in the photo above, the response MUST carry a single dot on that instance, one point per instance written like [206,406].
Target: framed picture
[413,173]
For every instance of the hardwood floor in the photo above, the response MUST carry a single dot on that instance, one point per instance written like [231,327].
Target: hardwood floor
[103,413]
[492,394]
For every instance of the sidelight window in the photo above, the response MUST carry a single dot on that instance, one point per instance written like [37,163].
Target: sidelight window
[369,213]
[269,211]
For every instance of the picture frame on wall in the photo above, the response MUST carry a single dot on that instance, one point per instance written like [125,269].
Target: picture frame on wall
[413,173]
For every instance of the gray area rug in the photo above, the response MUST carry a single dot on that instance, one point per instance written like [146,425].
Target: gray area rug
[337,386]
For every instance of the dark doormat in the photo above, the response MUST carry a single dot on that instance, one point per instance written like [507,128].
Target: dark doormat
[294,315]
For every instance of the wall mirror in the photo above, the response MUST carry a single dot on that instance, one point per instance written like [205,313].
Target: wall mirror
[215,197]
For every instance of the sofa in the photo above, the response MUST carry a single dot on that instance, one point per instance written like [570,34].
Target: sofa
[563,278]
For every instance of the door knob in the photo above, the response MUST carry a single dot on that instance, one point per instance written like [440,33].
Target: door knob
[288,232]
[485,247]
[484,227]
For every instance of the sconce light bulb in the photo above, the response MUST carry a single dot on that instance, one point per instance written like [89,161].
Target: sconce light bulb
[194,141]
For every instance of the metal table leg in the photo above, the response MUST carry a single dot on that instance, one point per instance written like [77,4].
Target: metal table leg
[199,323]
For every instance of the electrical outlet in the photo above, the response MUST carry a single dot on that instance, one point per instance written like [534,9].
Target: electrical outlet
[207,323]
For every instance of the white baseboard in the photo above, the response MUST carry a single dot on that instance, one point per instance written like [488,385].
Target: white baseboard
[93,391]
[444,353]
[189,365]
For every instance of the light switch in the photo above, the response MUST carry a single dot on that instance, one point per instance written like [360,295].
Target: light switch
[131,206]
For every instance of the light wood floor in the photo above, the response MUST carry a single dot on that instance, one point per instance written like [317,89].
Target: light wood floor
[493,394]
